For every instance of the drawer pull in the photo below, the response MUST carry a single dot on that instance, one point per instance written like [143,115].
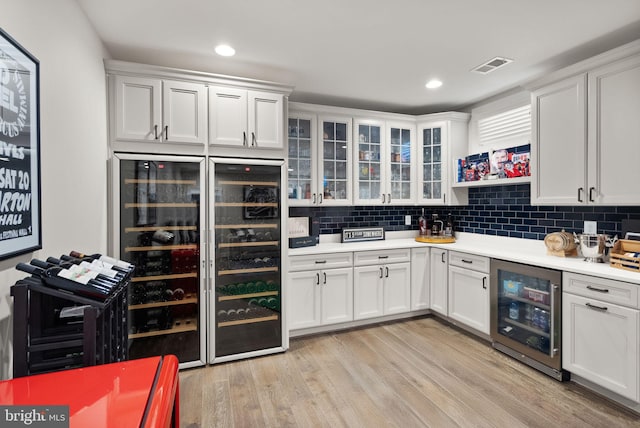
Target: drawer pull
[467,261]
[597,308]
[599,290]
[320,262]
[383,257]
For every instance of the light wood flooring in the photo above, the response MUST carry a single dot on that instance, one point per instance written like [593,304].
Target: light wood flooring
[415,373]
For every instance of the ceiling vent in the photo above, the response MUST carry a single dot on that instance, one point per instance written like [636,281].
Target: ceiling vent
[491,65]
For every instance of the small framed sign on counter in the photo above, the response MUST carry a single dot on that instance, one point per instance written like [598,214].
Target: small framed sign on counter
[363,234]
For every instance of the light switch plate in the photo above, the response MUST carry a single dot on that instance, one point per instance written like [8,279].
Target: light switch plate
[407,220]
[590,227]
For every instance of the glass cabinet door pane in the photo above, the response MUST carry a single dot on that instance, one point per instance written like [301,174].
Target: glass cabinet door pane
[400,160]
[335,157]
[247,217]
[160,229]
[432,163]
[369,155]
[299,186]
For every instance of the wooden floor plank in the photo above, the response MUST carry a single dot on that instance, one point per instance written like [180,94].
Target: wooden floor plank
[413,373]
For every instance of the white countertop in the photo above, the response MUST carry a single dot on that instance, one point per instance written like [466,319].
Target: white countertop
[527,251]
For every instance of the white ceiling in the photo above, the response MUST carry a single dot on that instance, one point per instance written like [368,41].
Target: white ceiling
[367,53]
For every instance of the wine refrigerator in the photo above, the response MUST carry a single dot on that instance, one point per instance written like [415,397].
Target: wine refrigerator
[159,214]
[246,271]
[525,315]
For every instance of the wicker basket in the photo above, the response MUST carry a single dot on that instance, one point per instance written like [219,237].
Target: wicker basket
[618,256]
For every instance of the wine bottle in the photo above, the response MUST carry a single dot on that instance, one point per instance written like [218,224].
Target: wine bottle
[61,278]
[84,274]
[110,277]
[422,223]
[103,258]
[89,259]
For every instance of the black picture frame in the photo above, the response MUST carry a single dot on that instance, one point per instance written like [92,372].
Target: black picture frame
[20,201]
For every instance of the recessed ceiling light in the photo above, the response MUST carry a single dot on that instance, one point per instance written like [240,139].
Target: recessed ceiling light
[225,50]
[433,84]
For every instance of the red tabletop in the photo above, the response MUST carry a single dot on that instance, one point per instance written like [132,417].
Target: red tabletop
[128,394]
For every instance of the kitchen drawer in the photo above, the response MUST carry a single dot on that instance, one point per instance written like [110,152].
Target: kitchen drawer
[470,261]
[367,258]
[605,290]
[320,261]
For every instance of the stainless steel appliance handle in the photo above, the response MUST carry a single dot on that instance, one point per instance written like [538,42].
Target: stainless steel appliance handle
[554,288]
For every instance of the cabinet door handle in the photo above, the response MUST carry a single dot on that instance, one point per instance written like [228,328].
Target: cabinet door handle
[155,132]
[254,142]
[388,198]
[381,271]
[317,278]
[591,189]
[314,199]
[597,308]
[386,272]
[319,198]
[325,277]
[166,132]
[383,198]
[484,282]
[443,257]
[444,198]
[580,190]
[599,290]
[244,138]
[467,261]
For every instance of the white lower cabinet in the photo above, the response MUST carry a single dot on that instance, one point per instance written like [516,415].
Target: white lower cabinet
[600,341]
[381,288]
[419,278]
[469,298]
[320,297]
[438,280]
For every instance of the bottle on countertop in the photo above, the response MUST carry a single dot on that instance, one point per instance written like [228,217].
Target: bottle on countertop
[448,226]
[422,223]
[436,225]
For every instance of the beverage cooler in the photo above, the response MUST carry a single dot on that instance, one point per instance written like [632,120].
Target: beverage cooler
[158,221]
[525,315]
[246,214]
[208,255]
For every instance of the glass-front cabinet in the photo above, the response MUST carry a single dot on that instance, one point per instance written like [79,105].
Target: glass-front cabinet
[335,168]
[159,215]
[369,174]
[432,167]
[400,167]
[302,160]
[246,213]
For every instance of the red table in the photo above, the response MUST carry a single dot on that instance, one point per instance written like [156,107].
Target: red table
[136,393]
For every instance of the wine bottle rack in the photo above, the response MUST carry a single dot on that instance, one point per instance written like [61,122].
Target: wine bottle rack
[43,341]
[160,211]
[247,259]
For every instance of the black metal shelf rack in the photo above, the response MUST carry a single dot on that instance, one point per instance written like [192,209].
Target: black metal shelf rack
[43,341]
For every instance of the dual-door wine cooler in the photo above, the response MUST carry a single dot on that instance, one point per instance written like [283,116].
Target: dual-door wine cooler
[208,280]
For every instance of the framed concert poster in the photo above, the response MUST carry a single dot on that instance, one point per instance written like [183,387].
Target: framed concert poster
[20,220]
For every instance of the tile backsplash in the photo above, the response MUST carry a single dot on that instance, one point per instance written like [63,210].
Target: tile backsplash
[503,210]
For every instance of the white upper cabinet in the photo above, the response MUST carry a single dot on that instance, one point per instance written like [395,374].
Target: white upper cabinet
[559,143]
[334,154]
[585,129]
[303,182]
[613,153]
[442,138]
[384,162]
[244,118]
[156,110]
